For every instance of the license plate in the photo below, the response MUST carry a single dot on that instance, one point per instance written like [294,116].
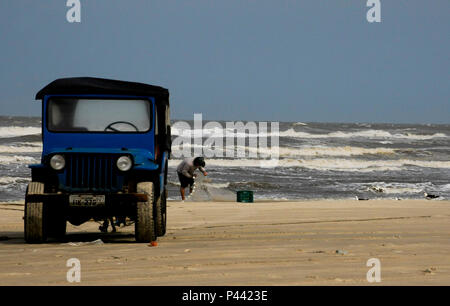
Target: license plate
[86,200]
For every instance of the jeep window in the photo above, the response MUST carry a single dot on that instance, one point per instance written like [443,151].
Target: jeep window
[98,115]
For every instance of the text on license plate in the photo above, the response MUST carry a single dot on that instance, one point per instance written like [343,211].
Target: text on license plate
[86,200]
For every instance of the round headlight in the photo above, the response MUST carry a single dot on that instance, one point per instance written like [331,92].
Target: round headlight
[124,163]
[57,162]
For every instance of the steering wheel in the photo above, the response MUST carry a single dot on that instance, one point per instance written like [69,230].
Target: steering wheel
[109,127]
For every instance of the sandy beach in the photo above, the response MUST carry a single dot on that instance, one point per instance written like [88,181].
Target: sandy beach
[264,243]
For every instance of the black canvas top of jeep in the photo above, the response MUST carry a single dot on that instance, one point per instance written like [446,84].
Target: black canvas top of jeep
[99,86]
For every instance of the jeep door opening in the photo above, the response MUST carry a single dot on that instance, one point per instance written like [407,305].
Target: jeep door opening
[106,146]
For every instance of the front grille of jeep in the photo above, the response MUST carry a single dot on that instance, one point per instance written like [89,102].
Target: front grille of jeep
[92,173]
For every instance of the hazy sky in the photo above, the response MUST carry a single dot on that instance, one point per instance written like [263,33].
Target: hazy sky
[278,60]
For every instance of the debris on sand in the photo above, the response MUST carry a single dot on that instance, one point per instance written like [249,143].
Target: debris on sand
[341,252]
[312,276]
[430,270]
[95,242]
[153,244]
[361,199]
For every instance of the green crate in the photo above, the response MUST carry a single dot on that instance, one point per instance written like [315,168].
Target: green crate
[245,196]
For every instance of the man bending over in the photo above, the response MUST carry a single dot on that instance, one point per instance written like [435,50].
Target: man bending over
[186,175]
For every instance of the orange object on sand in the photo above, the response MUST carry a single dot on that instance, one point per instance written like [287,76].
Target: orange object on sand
[153,243]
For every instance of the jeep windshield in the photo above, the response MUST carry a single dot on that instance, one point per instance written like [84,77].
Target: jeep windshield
[98,115]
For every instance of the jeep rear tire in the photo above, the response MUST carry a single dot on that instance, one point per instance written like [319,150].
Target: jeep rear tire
[35,216]
[161,214]
[144,226]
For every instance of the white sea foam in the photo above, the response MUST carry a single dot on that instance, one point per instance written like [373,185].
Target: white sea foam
[403,188]
[366,134]
[391,188]
[16,159]
[217,185]
[377,134]
[30,147]
[296,151]
[14,131]
[326,164]
[324,151]
[445,187]
[399,188]
[8,180]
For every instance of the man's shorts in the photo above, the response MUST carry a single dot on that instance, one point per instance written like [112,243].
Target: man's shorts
[184,180]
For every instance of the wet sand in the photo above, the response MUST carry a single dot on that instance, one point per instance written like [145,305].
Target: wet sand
[264,243]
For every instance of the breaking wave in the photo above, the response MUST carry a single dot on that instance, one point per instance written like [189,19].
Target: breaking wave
[258,185]
[372,134]
[22,148]
[7,159]
[325,151]
[8,180]
[396,188]
[366,134]
[325,164]
[14,131]
[294,151]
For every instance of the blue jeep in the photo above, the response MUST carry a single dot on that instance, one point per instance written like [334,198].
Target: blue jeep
[106,145]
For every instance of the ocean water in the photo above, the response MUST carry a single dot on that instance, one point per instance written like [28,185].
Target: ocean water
[317,161]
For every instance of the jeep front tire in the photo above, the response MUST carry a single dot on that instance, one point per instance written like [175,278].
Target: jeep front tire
[144,226]
[35,216]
